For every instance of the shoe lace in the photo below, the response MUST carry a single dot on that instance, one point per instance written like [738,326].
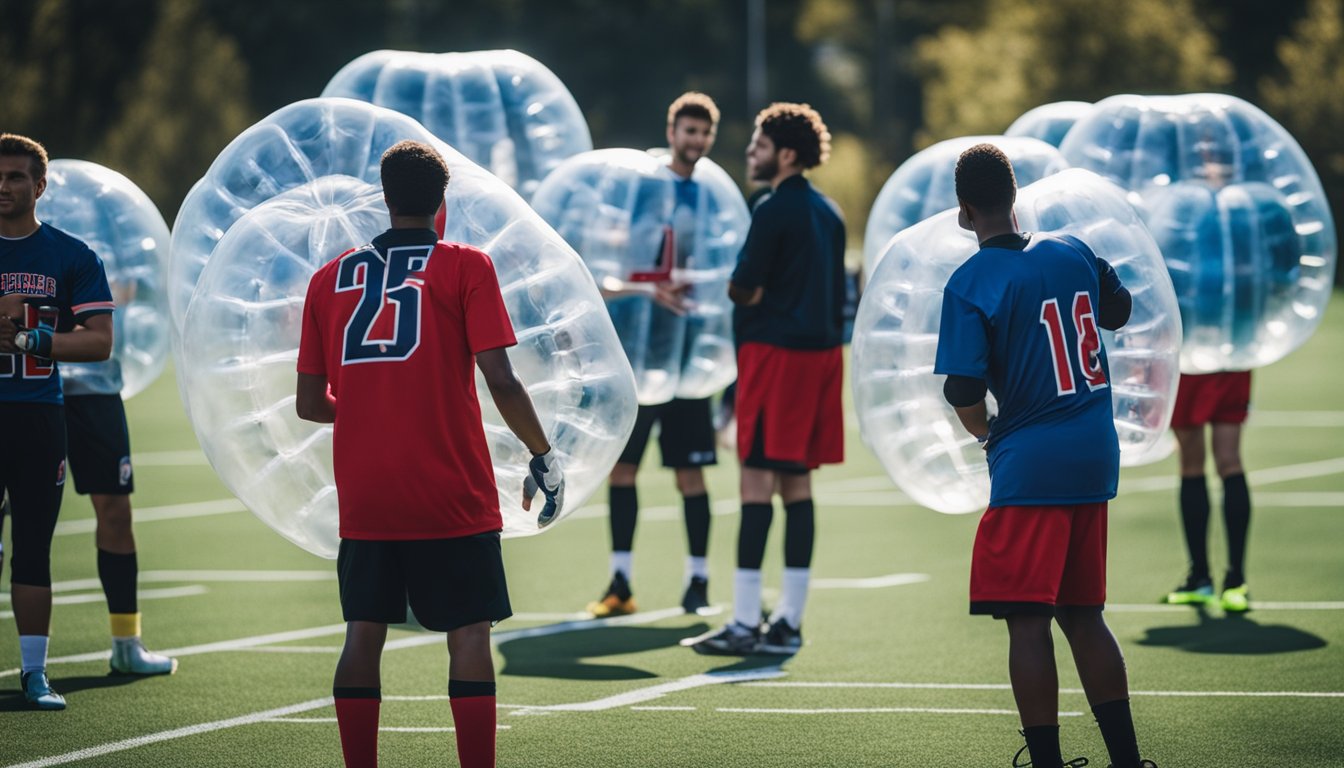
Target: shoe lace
[1077,762]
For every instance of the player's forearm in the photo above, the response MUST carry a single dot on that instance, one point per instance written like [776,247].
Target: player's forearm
[515,405]
[82,345]
[745,297]
[975,418]
[313,400]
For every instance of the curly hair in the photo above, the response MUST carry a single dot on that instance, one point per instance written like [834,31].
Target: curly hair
[14,145]
[985,179]
[797,127]
[696,105]
[414,178]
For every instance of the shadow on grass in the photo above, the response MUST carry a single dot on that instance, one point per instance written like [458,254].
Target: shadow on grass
[567,655]
[11,699]
[1233,633]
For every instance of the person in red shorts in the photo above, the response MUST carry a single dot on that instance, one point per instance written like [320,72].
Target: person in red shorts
[789,292]
[1219,401]
[391,331]
[1021,318]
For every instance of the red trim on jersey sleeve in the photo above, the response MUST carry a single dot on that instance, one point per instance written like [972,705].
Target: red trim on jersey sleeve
[487,319]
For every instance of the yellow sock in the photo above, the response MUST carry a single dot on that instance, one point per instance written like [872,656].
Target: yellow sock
[125,624]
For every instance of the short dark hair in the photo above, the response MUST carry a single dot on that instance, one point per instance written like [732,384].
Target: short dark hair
[985,179]
[414,178]
[797,127]
[14,145]
[695,105]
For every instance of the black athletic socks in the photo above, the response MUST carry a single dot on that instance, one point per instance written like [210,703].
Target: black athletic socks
[1195,521]
[799,533]
[696,509]
[1237,518]
[1043,744]
[752,534]
[624,504]
[1117,730]
[118,574]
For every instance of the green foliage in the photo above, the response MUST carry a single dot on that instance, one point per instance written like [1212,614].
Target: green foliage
[1026,54]
[851,178]
[187,102]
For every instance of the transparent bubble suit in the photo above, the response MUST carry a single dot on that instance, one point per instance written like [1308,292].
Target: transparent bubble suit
[241,336]
[616,207]
[902,415]
[1049,122]
[122,225]
[1237,209]
[503,109]
[925,185]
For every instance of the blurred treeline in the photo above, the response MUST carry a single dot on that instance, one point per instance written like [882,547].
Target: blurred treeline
[155,88]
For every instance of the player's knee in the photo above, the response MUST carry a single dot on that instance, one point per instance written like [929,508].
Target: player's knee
[623,475]
[471,640]
[691,481]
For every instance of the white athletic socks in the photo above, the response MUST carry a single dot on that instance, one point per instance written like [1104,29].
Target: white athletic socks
[696,567]
[622,562]
[793,596]
[747,597]
[33,651]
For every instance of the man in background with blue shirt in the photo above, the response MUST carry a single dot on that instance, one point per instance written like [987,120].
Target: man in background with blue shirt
[1021,319]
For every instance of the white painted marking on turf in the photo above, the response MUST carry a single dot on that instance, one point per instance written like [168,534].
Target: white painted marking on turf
[154,514]
[160,577]
[1301,499]
[662,709]
[1255,605]
[662,689]
[331,649]
[381,729]
[98,597]
[877,711]
[1007,687]
[1326,419]
[875,582]
[187,458]
[193,650]
[176,733]
[1259,477]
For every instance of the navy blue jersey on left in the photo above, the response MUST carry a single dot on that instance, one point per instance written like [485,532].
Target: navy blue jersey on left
[1022,316]
[69,276]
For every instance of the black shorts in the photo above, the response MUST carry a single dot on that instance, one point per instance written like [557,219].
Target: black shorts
[32,472]
[685,434]
[450,583]
[99,444]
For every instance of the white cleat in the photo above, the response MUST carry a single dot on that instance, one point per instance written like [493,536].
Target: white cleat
[38,691]
[129,657]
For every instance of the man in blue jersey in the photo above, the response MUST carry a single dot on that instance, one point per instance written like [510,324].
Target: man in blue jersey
[55,305]
[1020,319]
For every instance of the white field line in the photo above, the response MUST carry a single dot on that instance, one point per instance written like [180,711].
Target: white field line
[649,693]
[162,577]
[97,597]
[176,733]
[155,514]
[1257,477]
[381,729]
[662,709]
[1300,499]
[187,458]
[1007,687]
[1323,605]
[1327,419]
[877,711]
[874,582]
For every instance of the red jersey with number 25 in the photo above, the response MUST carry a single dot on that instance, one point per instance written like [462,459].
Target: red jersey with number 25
[395,327]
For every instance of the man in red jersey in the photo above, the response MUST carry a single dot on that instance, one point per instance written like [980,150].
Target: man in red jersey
[391,330]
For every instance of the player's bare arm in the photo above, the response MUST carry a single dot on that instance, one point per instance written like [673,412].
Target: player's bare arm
[745,297]
[512,400]
[313,400]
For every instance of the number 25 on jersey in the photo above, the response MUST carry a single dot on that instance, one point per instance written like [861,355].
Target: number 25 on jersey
[1089,344]
[385,325]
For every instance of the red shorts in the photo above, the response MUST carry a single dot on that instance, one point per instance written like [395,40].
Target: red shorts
[1031,559]
[791,399]
[1217,398]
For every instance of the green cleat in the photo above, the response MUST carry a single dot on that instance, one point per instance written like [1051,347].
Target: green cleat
[1192,592]
[1236,599]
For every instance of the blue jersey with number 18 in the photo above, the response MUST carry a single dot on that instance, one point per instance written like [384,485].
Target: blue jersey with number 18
[1021,314]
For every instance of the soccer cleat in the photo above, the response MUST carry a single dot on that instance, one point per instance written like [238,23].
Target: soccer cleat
[1236,599]
[781,639]
[696,598]
[618,601]
[1195,591]
[129,657]
[1077,762]
[1142,764]
[732,640]
[38,691]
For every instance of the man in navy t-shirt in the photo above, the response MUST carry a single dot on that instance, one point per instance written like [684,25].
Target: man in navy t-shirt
[1022,318]
[55,305]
